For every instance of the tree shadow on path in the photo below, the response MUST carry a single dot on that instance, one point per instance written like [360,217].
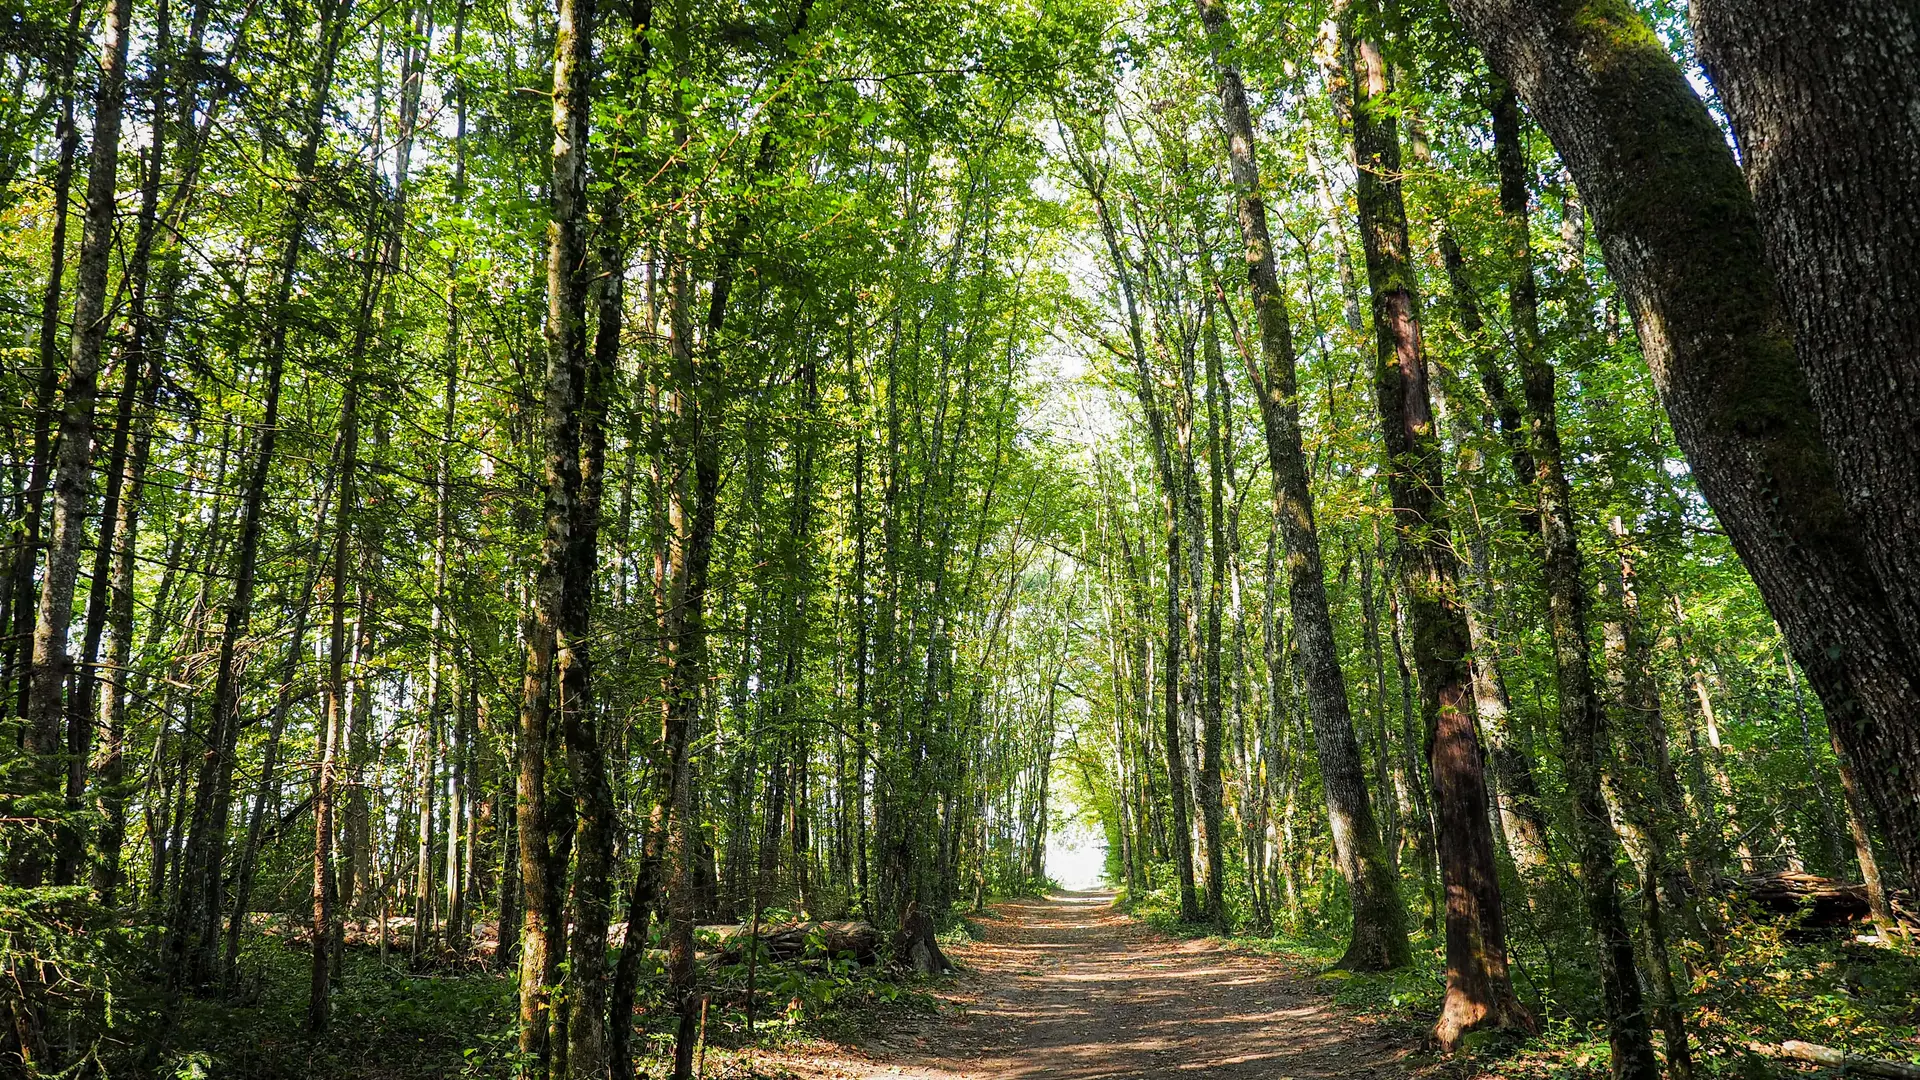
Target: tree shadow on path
[1070,988]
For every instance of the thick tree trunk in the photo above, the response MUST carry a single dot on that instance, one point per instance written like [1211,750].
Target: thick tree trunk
[1379,936]
[1478,993]
[574,454]
[1825,102]
[1684,244]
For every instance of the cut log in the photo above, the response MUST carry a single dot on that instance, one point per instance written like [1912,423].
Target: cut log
[1848,1064]
[799,940]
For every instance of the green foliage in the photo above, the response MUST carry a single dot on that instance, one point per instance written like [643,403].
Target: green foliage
[937,631]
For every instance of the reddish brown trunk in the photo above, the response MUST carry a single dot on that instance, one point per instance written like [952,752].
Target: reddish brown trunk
[1479,992]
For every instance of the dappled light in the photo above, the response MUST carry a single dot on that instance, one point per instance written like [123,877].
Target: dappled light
[970,539]
[1069,988]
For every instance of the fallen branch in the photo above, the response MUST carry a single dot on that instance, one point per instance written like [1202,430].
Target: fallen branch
[1815,900]
[793,941]
[1848,1064]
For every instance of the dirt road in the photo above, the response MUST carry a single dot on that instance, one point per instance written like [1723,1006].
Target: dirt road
[1069,988]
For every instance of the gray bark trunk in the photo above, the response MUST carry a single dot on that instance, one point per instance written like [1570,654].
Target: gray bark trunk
[1379,933]
[1479,992]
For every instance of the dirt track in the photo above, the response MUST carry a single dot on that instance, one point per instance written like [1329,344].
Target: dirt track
[1068,988]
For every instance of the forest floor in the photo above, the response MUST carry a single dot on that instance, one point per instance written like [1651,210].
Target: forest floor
[1069,987]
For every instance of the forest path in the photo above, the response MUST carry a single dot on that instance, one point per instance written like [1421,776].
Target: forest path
[1068,987]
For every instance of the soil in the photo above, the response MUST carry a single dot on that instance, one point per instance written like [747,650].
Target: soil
[1070,988]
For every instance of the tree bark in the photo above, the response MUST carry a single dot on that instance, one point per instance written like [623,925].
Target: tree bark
[1684,244]
[1479,993]
[564,604]
[26,539]
[72,462]
[1212,786]
[593,365]
[1379,934]
[144,353]
[1582,713]
[692,516]
[334,729]
[1825,103]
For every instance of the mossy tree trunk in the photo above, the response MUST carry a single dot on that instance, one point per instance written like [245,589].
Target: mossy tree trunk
[1825,103]
[1684,243]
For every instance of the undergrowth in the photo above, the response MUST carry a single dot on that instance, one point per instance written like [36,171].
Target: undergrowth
[457,1019]
[1767,982]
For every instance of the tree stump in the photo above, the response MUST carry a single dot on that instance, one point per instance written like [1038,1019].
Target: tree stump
[916,946]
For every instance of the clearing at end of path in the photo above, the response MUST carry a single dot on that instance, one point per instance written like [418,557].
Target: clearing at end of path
[1070,988]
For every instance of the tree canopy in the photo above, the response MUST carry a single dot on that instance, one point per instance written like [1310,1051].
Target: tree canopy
[497,487]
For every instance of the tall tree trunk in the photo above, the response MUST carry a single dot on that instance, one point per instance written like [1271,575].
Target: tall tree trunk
[1825,102]
[197,904]
[144,353]
[1583,717]
[325,912]
[1479,993]
[1382,754]
[692,517]
[26,537]
[461,873]
[574,452]
[1415,807]
[1516,794]
[1379,936]
[1684,244]
[1212,787]
[72,464]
